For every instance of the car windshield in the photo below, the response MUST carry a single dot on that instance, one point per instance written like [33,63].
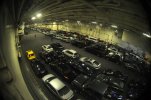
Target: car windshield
[63,91]
[31,55]
[95,62]
[76,54]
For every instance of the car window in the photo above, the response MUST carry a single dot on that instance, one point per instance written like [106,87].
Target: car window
[63,91]
[69,52]
[95,62]
[31,55]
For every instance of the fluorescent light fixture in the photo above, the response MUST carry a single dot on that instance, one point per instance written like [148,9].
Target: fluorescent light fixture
[113,26]
[147,35]
[39,15]
[79,22]
[33,18]
[94,22]
[66,20]
[54,23]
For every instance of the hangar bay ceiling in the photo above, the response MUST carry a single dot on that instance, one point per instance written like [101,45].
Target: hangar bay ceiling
[128,14]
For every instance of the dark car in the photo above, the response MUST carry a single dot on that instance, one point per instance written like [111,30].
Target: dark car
[48,57]
[80,67]
[93,89]
[116,74]
[64,70]
[38,68]
[132,66]
[113,82]
[57,47]
[114,56]
[78,43]
[97,49]
[113,94]
[120,75]
[108,72]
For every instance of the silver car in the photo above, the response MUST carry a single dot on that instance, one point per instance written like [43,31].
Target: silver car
[58,88]
[91,62]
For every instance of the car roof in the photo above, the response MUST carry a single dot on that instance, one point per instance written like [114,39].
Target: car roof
[57,84]
[97,86]
[30,51]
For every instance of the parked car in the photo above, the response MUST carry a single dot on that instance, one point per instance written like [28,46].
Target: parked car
[30,55]
[113,82]
[121,76]
[114,56]
[47,48]
[71,53]
[93,89]
[132,66]
[113,94]
[48,57]
[64,70]
[57,47]
[97,49]
[78,43]
[90,62]
[57,87]
[38,68]
[80,67]
[116,74]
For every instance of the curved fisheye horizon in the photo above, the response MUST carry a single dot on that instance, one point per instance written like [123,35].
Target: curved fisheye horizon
[75,49]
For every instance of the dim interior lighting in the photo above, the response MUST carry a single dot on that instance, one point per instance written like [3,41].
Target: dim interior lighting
[33,18]
[94,22]
[62,21]
[66,20]
[147,35]
[39,15]
[113,26]
[101,25]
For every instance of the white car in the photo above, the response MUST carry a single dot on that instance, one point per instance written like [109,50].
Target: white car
[71,53]
[90,62]
[56,86]
[47,48]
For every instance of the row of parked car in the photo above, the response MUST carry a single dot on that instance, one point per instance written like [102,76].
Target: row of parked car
[84,74]
[100,48]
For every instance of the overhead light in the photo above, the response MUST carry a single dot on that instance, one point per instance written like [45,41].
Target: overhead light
[33,18]
[54,23]
[39,15]
[79,22]
[94,22]
[66,20]
[147,35]
[113,26]
[101,25]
